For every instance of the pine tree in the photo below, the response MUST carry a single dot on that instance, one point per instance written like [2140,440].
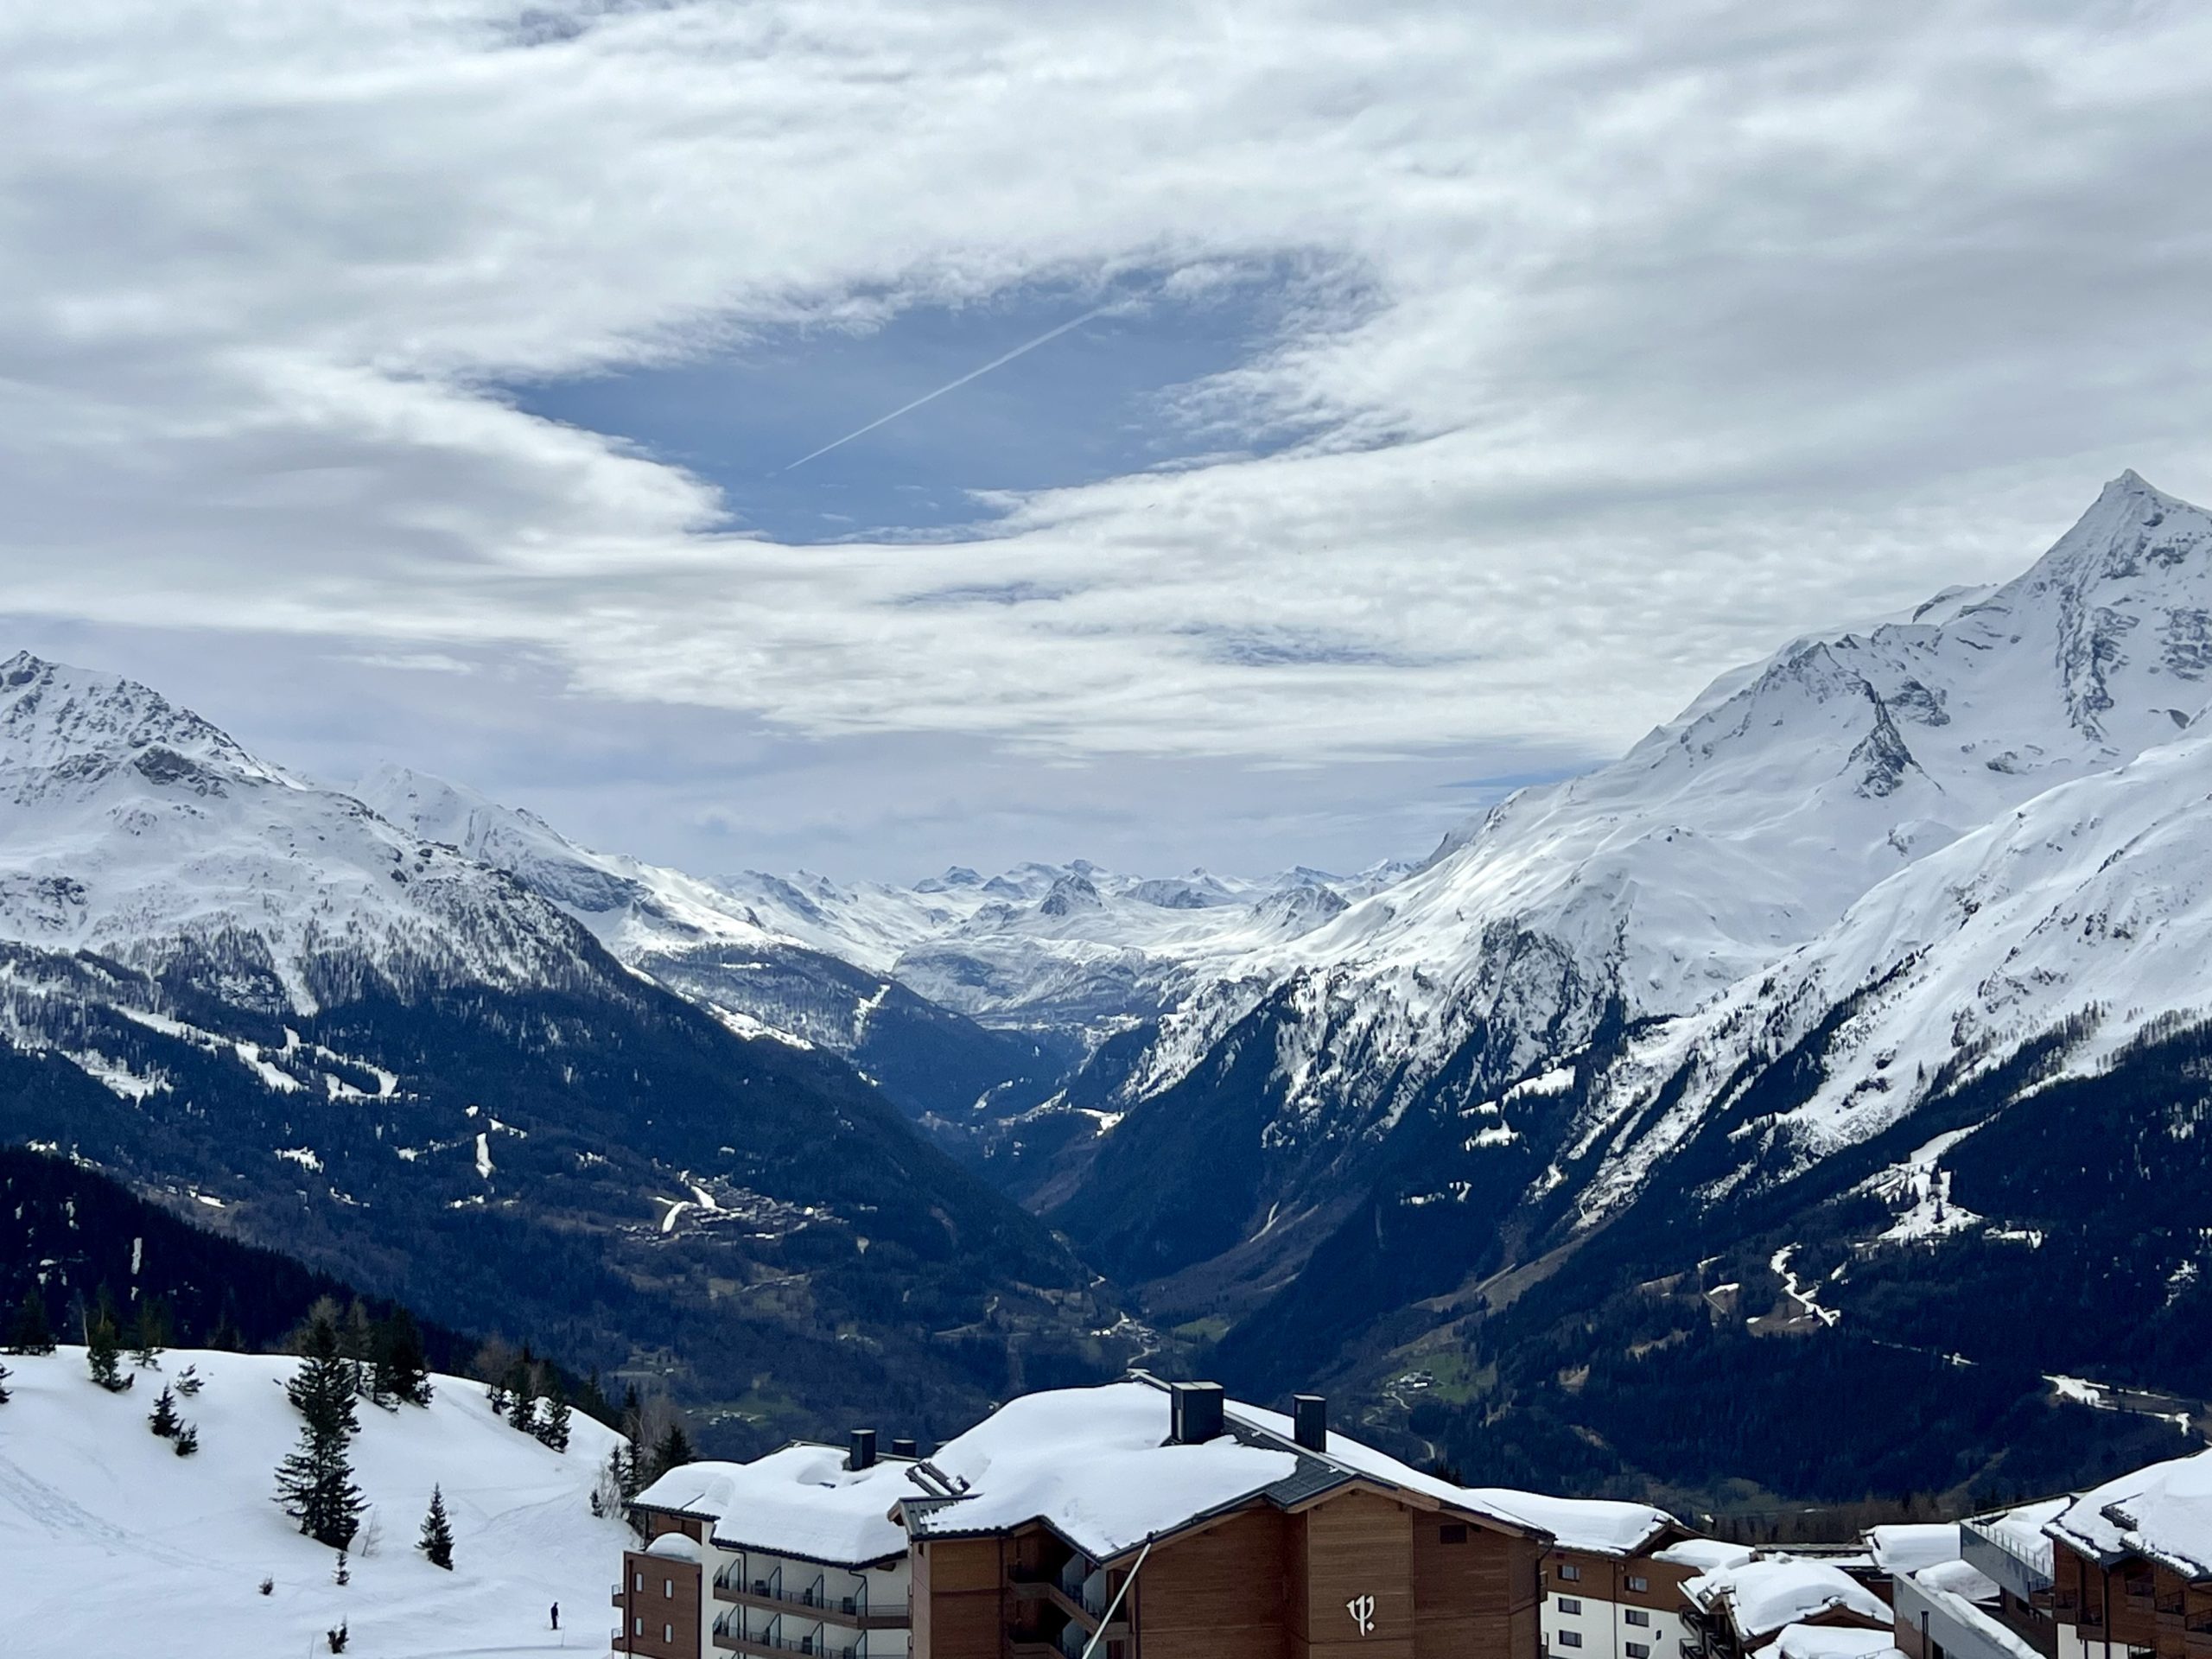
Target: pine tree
[187,1441]
[29,1333]
[553,1423]
[437,1541]
[4,1375]
[190,1382]
[633,1435]
[341,1574]
[521,1392]
[163,1419]
[102,1348]
[315,1482]
[149,1332]
[673,1449]
[401,1369]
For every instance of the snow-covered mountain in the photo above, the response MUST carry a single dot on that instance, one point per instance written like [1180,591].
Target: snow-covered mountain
[87,1494]
[1865,875]
[379,1051]
[136,830]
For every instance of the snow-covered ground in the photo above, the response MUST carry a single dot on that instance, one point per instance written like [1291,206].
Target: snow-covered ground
[111,1545]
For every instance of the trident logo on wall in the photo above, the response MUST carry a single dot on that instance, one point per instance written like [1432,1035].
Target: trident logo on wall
[1362,1609]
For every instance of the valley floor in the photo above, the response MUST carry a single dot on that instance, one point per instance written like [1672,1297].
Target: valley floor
[111,1545]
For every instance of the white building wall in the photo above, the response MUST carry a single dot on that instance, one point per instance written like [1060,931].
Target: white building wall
[1604,1629]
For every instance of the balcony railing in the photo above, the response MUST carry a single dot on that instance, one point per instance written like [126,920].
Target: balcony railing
[738,1641]
[811,1598]
[2021,1565]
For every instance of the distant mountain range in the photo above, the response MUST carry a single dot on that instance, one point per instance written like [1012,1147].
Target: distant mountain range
[319,1031]
[1829,1038]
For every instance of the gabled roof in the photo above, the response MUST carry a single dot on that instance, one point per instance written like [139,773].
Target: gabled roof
[2163,1514]
[1098,1467]
[801,1501]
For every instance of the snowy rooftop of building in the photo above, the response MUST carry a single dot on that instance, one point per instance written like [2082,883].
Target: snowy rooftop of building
[802,1501]
[1962,1579]
[1706,1555]
[1765,1595]
[2022,1529]
[1827,1642]
[675,1547]
[1908,1549]
[1092,1463]
[2163,1513]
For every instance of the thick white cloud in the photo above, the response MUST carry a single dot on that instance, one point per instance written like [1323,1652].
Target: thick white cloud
[1624,345]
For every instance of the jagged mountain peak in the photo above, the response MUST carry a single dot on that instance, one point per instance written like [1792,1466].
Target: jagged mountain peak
[62,726]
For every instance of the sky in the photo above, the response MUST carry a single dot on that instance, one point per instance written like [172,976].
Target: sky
[1381,406]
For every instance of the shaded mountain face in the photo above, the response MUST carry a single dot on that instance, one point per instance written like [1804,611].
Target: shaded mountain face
[1776,981]
[390,1059]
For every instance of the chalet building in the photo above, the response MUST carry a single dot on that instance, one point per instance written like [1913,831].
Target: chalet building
[1140,1520]
[1610,1591]
[2132,1565]
[792,1553]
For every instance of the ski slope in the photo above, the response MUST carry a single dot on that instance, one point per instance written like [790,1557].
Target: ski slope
[110,1545]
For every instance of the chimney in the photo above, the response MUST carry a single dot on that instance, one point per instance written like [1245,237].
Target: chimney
[862,1455]
[906,1448]
[1310,1413]
[1194,1412]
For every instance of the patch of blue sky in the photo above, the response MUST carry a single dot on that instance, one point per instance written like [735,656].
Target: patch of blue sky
[1102,400]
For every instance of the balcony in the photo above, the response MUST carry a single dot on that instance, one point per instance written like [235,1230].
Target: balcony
[770,1597]
[768,1647]
[618,1596]
[2003,1555]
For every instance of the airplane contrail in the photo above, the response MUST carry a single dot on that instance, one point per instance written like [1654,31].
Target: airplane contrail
[1049,335]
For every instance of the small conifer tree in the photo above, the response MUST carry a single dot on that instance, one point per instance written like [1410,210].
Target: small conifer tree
[187,1441]
[437,1542]
[28,1332]
[315,1481]
[190,1382]
[4,1375]
[103,1350]
[163,1419]
[341,1574]
[553,1420]
[399,1367]
[149,1333]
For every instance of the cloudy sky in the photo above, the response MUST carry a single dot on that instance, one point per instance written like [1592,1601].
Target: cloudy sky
[1429,399]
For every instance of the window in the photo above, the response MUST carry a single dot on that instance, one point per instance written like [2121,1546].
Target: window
[1569,1605]
[1635,1582]
[637,1627]
[668,1589]
[667,1634]
[1637,1616]
[640,1578]
[1454,1534]
[1570,1638]
[1638,1649]
[1570,1572]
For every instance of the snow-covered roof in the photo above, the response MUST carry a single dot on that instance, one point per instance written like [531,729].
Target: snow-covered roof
[802,1501]
[1096,1464]
[1093,1464]
[1827,1642]
[676,1546]
[1962,1579]
[1601,1526]
[1706,1555]
[2163,1513]
[1765,1595]
[1909,1548]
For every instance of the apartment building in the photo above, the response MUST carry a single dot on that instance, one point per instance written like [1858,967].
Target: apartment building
[1140,1520]
[797,1552]
[1611,1591]
[2132,1565]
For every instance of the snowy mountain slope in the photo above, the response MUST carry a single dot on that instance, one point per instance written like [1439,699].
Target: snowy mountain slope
[2086,911]
[1750,823]
[136,830]
[1994,803]
[393,1060]
[108,1542]
[706,944]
